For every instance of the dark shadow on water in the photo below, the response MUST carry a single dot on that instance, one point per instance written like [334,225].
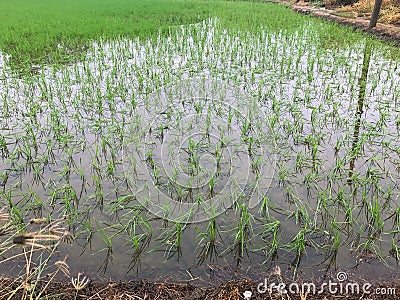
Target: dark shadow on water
[362,84]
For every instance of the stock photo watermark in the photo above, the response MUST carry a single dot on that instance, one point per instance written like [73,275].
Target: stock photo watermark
[196,150]
[341,285]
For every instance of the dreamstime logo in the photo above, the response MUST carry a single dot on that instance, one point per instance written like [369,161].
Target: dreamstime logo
[195,148]
[341,276]
[340,286]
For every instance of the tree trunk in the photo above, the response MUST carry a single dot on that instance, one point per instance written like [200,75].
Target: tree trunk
[375,14]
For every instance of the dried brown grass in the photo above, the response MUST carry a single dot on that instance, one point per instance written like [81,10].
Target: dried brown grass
[390,10]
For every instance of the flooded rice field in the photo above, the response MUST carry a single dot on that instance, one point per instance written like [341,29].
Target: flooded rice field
[210,151]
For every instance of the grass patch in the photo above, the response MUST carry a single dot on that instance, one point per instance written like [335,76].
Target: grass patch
[344,14]
[36,32]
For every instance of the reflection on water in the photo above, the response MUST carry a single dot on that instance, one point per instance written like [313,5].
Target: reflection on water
[333,114]
[362,83]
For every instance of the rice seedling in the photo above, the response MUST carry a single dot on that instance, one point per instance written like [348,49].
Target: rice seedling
[270,235]
[298,245]
[243,234]
[395,251]
[208,242]
[171,240]
[264,208]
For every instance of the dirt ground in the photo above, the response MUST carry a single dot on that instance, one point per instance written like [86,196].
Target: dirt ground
[390,33]
[143,289]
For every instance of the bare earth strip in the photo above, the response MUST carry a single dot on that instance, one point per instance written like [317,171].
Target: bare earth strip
[386,32]
[147,289]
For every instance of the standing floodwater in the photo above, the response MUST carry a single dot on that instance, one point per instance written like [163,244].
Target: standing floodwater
[209,147]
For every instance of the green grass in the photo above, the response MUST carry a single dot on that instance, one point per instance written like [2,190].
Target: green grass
[31,30]
[37,31]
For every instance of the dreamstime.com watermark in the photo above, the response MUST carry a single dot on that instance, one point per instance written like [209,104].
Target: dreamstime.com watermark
[339,286]
[194,149]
